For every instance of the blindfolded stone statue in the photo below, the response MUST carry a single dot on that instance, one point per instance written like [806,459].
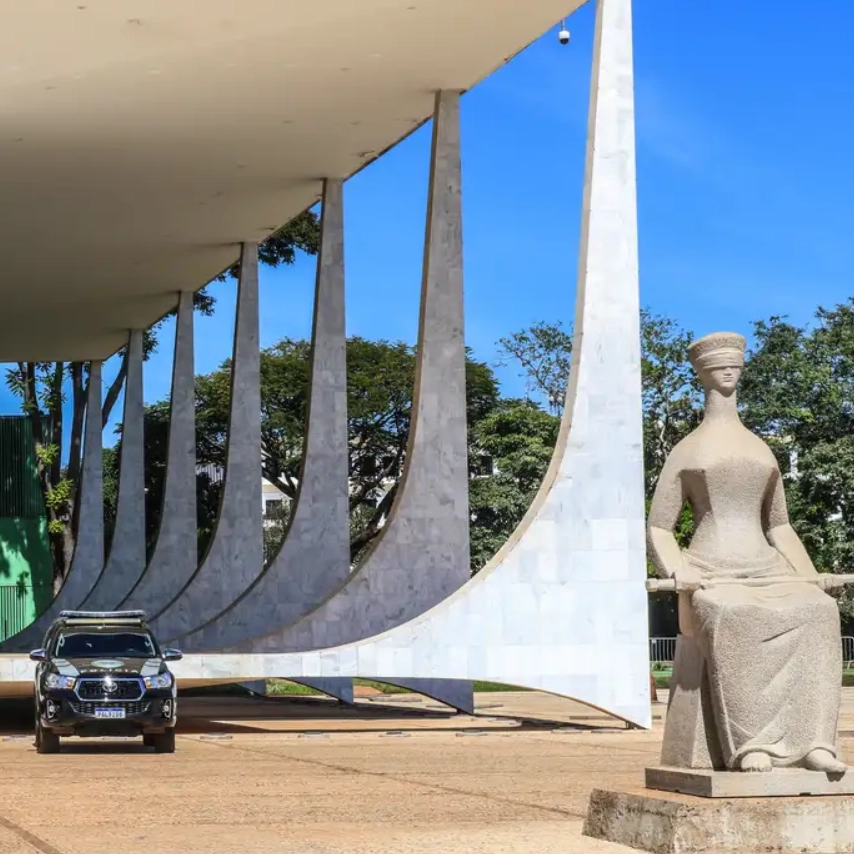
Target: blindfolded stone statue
[762,661]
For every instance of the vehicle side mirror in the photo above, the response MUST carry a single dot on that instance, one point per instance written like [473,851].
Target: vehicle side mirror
[172,655]
[38,655]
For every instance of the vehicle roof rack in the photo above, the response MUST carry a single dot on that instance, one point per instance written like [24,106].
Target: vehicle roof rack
[103,616]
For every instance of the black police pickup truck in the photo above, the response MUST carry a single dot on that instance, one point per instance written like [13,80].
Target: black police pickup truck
[103,674]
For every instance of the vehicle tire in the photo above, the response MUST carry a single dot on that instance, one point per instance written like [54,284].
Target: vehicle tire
[47,741]
[165,742]
[149,740]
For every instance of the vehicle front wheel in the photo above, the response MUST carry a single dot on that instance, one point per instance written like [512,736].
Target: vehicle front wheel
[47,741]
[165,742]
[149,740]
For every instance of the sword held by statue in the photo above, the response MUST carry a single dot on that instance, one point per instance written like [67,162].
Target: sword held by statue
[825,580]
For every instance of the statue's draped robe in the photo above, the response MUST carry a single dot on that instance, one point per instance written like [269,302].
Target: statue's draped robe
[773,652]
[774,661]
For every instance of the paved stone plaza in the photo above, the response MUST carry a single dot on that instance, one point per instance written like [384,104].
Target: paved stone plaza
[266,782]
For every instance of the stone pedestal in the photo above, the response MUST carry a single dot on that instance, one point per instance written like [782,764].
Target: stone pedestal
[671,823]
[781,782]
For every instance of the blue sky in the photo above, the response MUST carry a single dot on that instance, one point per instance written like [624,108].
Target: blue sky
[744,124]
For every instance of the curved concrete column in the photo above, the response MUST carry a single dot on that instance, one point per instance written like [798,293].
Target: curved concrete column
[175,557]
[562,607]
[234,557]
[456,693]
[422,554]
[314,558]
[126,560]
[88,560]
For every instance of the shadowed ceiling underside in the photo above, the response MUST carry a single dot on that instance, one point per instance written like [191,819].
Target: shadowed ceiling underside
[142,140]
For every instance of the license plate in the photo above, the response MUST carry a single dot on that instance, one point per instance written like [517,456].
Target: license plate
[109,713]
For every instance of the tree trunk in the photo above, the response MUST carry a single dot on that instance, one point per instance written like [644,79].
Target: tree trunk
[78,401]
[55,412]
[114,390]
[53,474]
[373,527]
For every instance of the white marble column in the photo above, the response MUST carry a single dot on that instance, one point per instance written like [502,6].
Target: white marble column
[314,558]
[234,557]
[126,560]
[175,557]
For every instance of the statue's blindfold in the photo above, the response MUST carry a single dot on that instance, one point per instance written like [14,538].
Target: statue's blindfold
[725,357]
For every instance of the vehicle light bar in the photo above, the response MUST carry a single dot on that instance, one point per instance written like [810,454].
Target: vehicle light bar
[102,615]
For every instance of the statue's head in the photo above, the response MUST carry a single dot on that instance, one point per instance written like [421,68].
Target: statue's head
[718,360]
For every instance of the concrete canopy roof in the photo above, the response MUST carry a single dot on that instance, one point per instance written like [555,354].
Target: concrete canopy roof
[143,140]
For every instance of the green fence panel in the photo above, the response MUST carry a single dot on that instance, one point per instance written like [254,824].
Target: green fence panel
[26,564]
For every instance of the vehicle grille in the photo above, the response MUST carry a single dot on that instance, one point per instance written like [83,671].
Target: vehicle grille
[131,708]
[93,689]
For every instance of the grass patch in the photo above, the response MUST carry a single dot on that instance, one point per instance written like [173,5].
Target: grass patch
[233,690]
[495,687]
[285,688]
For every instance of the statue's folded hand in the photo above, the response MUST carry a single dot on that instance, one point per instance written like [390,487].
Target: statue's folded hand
[688,576]
[826,581]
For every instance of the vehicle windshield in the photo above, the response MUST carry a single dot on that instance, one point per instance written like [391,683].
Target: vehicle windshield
[105,645]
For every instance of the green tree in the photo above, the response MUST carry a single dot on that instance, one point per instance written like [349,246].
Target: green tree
[47,390]
[671,395]
[514,444]
[543,353]
[672,399]
[798,394]
[380,376]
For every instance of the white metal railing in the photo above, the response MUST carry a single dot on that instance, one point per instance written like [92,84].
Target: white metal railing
[663,650]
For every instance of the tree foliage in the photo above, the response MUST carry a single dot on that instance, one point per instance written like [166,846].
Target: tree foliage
[543,353]
[518,439]
[670,393]
[798,393]
[380,380]
[672,397]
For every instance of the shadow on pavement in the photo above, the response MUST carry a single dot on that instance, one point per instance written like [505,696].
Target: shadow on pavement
[309,716]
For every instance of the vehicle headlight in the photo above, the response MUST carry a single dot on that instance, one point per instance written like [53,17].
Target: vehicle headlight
[55,681]
[162,680]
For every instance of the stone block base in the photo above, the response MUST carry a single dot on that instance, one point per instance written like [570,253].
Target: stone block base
[781,782]
[670,823]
